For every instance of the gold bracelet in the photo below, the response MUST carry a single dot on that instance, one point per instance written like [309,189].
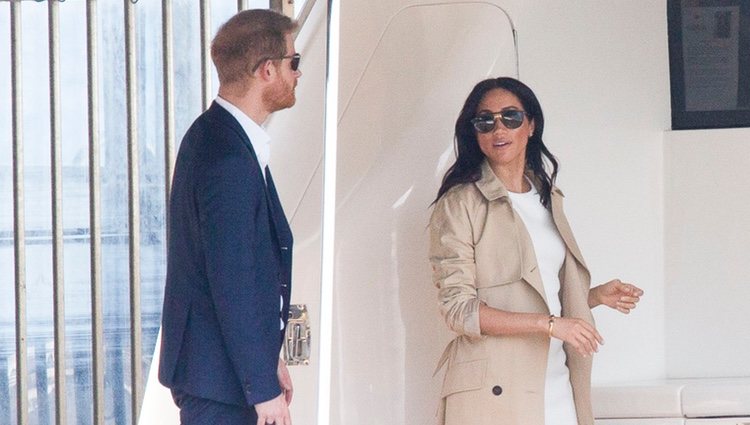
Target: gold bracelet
[551,324]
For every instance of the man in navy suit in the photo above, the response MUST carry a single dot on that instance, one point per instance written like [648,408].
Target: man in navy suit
[229,263]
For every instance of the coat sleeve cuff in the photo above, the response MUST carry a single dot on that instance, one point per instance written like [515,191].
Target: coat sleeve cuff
[471,320]
[261,388]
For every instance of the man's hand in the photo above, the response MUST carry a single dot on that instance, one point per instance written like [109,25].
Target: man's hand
[274,411]
[285,381]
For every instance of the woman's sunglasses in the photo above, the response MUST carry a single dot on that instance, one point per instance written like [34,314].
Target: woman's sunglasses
[486,122]
[294,63]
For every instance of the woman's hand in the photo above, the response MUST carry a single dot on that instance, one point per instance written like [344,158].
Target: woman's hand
[578,333]
[615,294]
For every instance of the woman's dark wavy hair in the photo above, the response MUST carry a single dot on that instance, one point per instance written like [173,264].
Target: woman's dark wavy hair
[467,168]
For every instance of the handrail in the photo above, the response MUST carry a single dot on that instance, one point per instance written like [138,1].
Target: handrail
[303,15]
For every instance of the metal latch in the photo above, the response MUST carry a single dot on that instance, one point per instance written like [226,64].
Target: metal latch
[297,338]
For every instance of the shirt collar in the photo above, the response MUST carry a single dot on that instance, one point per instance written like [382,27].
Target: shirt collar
[260,140]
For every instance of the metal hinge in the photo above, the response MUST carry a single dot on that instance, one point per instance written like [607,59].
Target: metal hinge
[297,339]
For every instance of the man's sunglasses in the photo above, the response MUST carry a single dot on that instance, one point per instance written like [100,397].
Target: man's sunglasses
[294,64]
[486,121]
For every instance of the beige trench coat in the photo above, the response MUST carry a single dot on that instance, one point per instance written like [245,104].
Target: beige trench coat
[481,252]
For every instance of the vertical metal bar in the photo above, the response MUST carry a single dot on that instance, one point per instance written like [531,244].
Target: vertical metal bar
[242,5]
[131,86]
[205,18]
[19,229]
[167,74]
[282,6]
[97,321]
[58,285]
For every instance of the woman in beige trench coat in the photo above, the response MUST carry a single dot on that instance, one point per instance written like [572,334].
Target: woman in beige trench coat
[512,282]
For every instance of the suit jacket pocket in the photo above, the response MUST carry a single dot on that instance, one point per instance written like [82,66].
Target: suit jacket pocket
[464,376]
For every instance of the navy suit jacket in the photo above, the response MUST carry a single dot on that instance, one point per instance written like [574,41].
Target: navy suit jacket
[229,259]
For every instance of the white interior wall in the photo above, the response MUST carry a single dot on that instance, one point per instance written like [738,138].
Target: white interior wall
[707,216]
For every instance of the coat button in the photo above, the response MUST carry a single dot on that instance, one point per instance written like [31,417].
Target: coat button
[497,390]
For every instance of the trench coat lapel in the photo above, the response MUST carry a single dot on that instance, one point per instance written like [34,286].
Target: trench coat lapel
[493,189]
[563,227]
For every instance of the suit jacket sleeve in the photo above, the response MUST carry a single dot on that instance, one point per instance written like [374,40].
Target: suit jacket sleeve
[233,210]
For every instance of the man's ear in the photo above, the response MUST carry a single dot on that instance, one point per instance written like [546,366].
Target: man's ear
[266,71]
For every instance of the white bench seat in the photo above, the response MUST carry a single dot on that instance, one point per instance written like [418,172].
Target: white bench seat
[709,401]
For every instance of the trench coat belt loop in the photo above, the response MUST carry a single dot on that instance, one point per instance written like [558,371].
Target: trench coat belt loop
[447,354]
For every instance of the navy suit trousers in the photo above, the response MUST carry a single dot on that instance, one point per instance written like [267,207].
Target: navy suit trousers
[201,411]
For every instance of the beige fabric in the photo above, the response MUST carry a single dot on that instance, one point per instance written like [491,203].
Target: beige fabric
[481,252]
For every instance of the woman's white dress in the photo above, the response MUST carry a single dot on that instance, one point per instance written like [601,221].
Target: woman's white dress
[559,408]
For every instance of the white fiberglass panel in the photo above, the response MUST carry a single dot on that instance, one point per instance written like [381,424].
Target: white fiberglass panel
[395,142]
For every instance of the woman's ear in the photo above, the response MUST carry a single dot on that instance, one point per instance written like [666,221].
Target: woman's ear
[531,127]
